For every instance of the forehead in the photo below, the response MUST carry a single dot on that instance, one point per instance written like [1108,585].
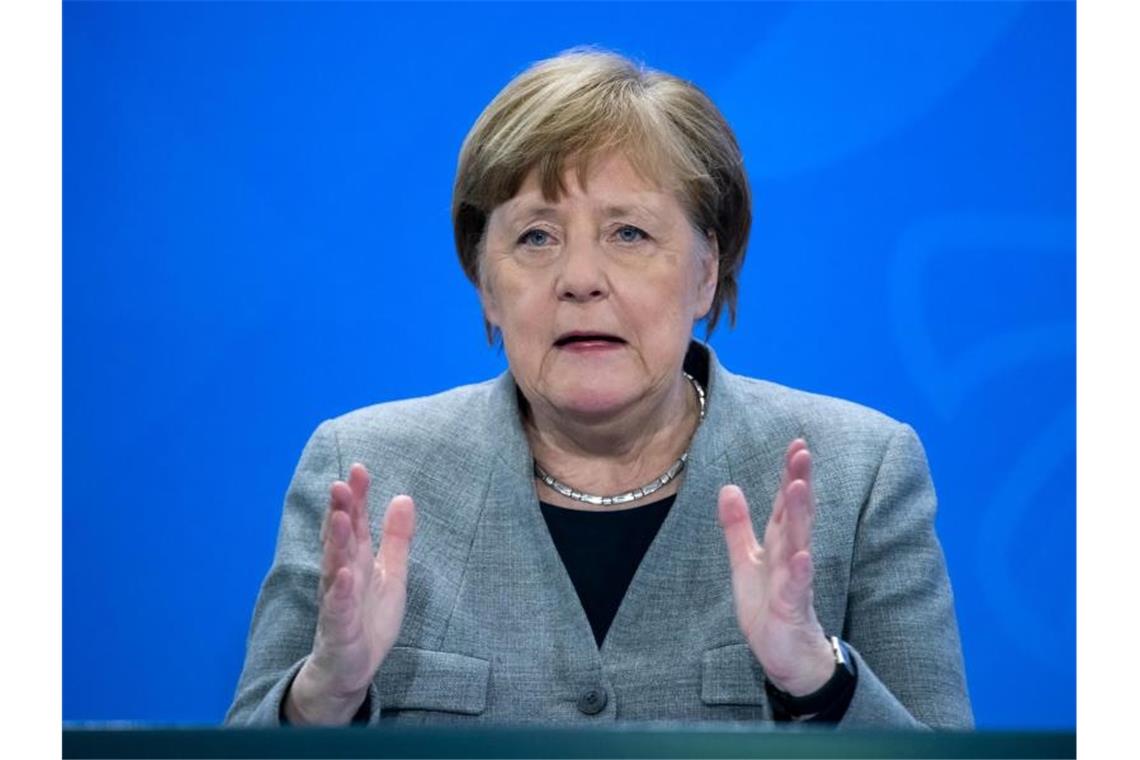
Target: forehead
[609,181]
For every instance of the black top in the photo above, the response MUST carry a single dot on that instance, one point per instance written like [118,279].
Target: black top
[601,552]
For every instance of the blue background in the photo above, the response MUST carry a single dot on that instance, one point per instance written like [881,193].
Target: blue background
[256,238]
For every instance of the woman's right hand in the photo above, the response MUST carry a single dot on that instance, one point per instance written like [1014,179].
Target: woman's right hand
[361,604]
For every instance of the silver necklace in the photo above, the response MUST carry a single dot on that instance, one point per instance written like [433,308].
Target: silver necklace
[638,493]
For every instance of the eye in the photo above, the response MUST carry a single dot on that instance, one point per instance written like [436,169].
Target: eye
[535,237]
[627,233]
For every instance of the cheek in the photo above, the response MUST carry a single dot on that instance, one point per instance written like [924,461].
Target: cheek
[663,304]
[506,296]
[524,310]
[524,318]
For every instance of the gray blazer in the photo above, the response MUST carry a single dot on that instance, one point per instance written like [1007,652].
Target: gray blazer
[494,631]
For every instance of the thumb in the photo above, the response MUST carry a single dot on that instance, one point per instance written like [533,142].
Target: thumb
[734,517]
[396,538]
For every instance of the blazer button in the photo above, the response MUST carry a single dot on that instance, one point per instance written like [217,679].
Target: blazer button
[592,701]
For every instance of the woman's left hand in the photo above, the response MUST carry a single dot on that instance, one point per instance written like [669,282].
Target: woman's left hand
[772,584]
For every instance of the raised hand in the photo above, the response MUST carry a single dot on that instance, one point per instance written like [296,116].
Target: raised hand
[772,584]
[362,601]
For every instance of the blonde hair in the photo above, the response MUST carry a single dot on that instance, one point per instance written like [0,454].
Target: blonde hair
[564,111]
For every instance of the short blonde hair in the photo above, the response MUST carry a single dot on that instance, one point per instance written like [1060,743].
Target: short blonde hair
[566,110]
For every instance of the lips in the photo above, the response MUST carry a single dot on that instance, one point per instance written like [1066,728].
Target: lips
[579,336]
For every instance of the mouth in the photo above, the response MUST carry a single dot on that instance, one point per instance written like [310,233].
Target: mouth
[579,339]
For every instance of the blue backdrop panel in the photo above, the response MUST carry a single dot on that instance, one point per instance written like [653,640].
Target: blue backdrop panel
[256,238]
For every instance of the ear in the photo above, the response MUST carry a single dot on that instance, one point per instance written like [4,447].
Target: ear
[709,261]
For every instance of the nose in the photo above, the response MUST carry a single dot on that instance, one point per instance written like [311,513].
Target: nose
[582,277]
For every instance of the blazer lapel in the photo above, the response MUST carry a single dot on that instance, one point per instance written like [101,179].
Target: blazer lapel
[681,594]
[512,504]
[683,578]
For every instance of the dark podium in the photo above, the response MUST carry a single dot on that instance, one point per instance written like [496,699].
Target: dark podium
[681,741]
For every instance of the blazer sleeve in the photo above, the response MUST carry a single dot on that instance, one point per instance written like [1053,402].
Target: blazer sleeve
[900,618]
[285,616]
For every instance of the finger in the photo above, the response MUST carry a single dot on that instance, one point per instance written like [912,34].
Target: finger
[795,588]
[735,519]
[358,482]
[336,549]
[774,539]
[338,602]
[396,539]
[336,502]
[801,516]
[343,500]
[799,444]
[786,477]
[773,536]
[798,465]
[794,448]
[798,496]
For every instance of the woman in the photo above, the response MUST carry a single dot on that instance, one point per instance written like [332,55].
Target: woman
[583,532]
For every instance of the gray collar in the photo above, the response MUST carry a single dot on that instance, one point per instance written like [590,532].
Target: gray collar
[509,439]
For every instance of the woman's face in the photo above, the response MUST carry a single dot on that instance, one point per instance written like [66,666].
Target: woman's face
[596,294]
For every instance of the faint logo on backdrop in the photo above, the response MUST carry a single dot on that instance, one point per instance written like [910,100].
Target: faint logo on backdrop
[948,380]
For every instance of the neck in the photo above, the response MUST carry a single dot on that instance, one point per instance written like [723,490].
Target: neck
[619,453]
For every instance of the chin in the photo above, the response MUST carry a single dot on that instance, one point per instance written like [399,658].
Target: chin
[588,400]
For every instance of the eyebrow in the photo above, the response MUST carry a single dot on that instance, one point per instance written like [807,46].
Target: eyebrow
[525,210]
[627,210]
[608,211]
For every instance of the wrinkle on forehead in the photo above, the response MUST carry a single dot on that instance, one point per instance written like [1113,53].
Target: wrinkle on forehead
[649,167]
[640,193]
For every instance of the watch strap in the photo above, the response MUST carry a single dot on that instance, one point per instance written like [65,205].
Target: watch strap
[838,687]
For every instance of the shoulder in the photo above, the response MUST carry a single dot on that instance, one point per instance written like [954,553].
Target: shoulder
[845,436]
[446,422]
[429,409]
[815,411]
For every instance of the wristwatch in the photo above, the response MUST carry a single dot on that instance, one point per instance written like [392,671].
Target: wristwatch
[819,700]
